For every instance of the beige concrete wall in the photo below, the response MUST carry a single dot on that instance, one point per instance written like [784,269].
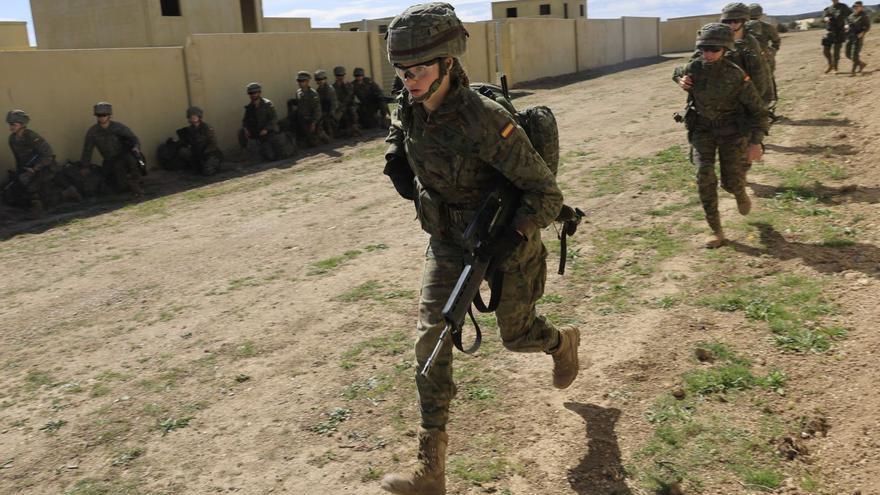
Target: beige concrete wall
[680,34]
[286,24]
[14,36]
[61,24]
[599,43]
[641,37]
[145,85]
[531,8]
[220,65]
[537,48]
[479,60]
[374,25]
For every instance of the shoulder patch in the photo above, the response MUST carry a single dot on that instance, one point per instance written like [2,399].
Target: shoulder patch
[507,130]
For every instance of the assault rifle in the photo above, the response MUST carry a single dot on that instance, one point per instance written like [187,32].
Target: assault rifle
[141,160]
[22,178]
[494,215]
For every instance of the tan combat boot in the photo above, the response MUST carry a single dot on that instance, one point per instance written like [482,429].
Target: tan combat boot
[716,240]
[743,203]
[862,66]
[565,357]
[429,475]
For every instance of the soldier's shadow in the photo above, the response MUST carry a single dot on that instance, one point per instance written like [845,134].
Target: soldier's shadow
[600,471]
[814,149]
[823,258]
[852,193]
[827,122]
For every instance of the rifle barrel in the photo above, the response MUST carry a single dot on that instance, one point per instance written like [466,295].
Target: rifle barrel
[441,341]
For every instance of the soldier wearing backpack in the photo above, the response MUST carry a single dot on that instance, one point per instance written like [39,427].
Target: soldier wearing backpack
[448,147]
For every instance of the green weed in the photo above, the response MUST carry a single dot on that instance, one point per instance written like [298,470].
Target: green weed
[336,416]
[171,424]
[329,264]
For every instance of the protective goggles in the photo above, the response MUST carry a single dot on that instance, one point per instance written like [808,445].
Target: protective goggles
[415,71]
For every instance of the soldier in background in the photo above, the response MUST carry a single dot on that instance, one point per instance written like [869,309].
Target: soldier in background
[198,144]
[373,110]
[329,106]
[35,166]
[835,24]
[308,112]
[346,111]
[746,51]
[768,39]
[119,147]
[727,116]
[858,25]
[260,123]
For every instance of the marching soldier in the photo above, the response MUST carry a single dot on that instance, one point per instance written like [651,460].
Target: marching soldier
[746,51]
[858,25]
[835,16]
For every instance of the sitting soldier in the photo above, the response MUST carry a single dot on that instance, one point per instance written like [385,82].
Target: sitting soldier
[260,124]
[35,166]
[329,104]
[373,110]
[346,111]
[196,149]
[119,147]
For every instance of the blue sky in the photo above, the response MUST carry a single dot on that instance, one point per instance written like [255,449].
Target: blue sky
[329,13]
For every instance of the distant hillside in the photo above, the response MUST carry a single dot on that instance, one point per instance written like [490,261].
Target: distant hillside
[785,19]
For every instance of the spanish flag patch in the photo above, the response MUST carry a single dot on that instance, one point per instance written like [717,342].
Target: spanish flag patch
[507,130]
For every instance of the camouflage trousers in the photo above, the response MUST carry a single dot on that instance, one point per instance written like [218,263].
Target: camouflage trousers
[122,173]
[854,50]
[271,145]
[348,125]
[834,40]
[731,148]
[22,188]
[520,327]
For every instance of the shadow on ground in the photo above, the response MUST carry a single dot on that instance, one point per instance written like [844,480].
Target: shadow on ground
[600,472]
[860,257]
[814,149]
[824,122]
[158,183]
[564,80]
[851,193]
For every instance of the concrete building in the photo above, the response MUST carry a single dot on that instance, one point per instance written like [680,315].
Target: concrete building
[553,9]
[61,24]
[374,25]
[14,36]
[286,25]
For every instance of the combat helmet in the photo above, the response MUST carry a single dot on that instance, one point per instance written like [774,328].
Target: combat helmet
[17,117]
[103,108]
[339,70]
[424,32]
[195,111]
[320,74]
[303,76]
[358,71]
[755,10]
[715,34]
[735,11]
[254,88]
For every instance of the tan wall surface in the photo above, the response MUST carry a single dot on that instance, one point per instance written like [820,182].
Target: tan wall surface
[537,48]
[220,65]
[600,42]
[531,8]
[479,60]
[61,24]
[641,37]
[366,24]
[14,36]
[145,85]
[679,35]
[286,24]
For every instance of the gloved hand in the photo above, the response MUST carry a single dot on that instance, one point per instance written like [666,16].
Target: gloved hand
[503,246]
[397,168]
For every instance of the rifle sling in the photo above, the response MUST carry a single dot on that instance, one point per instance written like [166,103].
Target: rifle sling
[456,335]
[563,250]
[495,286]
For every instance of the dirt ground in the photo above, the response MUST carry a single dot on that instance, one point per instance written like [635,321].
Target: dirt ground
[254,335]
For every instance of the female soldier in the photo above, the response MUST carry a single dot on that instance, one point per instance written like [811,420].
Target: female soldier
[449,147]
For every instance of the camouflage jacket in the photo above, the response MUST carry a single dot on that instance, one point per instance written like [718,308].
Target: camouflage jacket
[308,106]
[329,103]
[368,92]
[765,33]
[256,118]
[858,23]
[111,142]
[345,95]
[722,95]
[835,16]
[31,151]
[202,138]
[459,152]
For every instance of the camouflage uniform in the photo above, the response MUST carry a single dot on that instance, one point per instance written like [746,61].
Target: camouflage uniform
[835,15]
[858,23]
[768,39]
[346,110]
[256,119]
[308,113]
[329,108]
[726,115]
[31,151]
[115,144]
[198,148]
[372,110]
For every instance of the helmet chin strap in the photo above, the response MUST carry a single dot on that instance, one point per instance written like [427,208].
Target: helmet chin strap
[435,85]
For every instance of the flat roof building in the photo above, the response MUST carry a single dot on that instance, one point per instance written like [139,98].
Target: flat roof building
[556,9]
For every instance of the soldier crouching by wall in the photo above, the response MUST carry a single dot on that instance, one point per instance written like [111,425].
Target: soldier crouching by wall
[35,168]
[373,110]
[308,113]
[329,105]
[118,146]
[260,124]
[196,149]
[346,110]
